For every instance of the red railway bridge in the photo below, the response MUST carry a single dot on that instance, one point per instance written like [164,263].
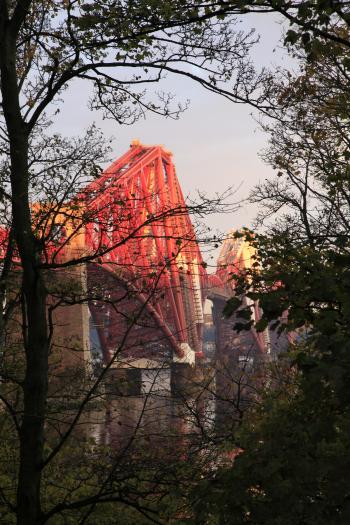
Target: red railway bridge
[148,299]
[147,283]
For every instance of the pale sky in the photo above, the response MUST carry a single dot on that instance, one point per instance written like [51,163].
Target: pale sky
[215,142]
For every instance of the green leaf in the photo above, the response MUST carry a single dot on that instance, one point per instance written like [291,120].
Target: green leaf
[231,306]
[261,325]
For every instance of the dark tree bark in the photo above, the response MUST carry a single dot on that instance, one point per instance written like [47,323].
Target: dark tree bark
[33,288]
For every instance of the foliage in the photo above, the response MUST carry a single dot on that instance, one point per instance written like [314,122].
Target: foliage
[302,259]
[313,24]
[122,49]
[294,457]
[295,451]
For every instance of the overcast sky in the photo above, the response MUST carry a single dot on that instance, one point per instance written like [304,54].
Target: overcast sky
[215,142]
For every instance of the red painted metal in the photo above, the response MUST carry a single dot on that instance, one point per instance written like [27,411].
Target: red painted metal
[134,224]
[139,227]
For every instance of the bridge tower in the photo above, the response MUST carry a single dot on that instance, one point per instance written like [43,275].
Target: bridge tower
[145,277]
[240,356]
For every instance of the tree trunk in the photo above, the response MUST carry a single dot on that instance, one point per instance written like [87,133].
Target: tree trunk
[35,338]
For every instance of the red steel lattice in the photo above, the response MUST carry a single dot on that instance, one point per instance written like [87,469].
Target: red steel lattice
[140,226]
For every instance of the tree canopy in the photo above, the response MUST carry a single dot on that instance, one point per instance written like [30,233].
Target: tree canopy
[294,448]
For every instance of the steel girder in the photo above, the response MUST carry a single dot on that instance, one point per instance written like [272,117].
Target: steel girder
[140,229]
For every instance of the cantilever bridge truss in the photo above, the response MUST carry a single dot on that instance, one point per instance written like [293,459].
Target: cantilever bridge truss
[150,280]
[144,273]
[142,227]
[149,259]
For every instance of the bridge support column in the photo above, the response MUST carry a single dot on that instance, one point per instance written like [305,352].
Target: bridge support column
[123,382]
[185,380]
[71,338]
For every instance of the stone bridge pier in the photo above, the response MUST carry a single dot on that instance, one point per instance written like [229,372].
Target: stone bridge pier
[242,364]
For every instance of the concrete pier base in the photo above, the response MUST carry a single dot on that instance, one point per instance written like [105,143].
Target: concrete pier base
[186,380]
[123,382]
